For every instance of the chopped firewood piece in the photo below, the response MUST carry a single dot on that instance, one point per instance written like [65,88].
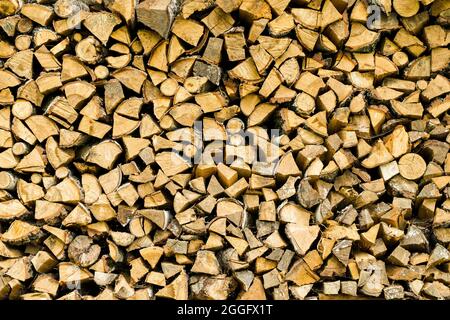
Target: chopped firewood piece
[251,10]
[271,83]
[101,24]
[83,252]
[281,25]
[228,6]
[318,123]
[104,154]
[301,236]
[399,257]
[406,8]
[411,166]
[177,289]
[361,39]
[234,45]
[218,21]
[38,13]
[188,30]
[131,78]
[260,114]
[206,262]
[438,256]
[379,155]
[245,71]
[21,232]
[165,10]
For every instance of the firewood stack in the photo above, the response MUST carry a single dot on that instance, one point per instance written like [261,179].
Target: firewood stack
[228,149]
